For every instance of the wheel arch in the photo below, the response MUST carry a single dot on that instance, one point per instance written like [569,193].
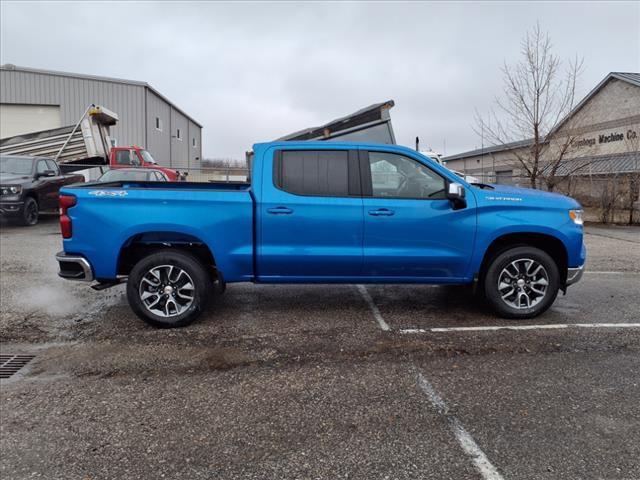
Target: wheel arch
[33,194]
[143,244]
[549,244]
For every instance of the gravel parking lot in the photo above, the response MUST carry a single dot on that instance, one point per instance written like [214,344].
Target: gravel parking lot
[305,382]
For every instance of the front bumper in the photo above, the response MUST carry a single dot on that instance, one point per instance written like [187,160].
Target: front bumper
[10,209]
[74,267]
[574,275]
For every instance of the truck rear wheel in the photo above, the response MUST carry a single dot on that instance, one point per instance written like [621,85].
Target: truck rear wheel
[521,283]
[169,289]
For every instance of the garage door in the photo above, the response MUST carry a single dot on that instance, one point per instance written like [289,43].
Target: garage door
[18,119]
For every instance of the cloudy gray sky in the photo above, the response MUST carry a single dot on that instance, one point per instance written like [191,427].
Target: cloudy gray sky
[254,71]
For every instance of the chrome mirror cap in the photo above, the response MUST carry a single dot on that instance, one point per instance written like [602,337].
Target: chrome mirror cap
[456,190]
[456,194]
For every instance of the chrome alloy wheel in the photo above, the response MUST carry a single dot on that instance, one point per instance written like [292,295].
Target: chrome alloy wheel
[166,291]
[523,283]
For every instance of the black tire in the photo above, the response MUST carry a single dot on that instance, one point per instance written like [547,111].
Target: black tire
[30,212]
[520,255]
[196,274]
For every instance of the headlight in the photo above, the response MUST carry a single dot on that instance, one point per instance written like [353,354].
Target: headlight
[11,190]
[576,216]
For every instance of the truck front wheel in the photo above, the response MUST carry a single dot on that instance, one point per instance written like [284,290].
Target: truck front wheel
[29,214]
[521,282]
[168,289]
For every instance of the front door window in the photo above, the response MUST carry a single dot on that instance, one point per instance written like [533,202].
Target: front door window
[396,176]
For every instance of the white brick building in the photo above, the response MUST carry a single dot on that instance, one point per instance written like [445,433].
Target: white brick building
[605,127]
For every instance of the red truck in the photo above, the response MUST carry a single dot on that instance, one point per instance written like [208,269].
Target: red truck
[127,157]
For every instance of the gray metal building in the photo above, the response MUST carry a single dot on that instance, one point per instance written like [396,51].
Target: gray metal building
[33,100]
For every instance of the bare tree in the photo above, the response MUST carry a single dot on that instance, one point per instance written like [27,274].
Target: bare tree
[537,97]
[608,198]
[632,144]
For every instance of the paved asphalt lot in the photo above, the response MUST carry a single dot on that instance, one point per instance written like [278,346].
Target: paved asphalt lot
[302,382]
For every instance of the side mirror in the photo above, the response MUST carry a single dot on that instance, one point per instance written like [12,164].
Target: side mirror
[456,193]
[47,173]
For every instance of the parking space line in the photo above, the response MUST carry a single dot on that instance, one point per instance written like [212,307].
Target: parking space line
[609,272]
[466,441]
[376,313]
[520,327]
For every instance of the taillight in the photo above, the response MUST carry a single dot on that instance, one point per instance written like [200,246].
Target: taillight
[66,202]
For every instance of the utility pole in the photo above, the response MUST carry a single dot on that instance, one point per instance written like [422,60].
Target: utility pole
[482,147]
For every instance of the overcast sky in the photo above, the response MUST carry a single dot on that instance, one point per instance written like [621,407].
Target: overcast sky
[252,72]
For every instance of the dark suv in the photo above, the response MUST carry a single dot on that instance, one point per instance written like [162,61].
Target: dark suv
[29,185]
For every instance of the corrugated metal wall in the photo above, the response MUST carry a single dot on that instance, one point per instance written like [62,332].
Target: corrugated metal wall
[136,105]
[195,145]
[158,140]
[179,145]
[73,95]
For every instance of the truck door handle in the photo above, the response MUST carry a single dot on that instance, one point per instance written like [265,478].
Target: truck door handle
[381,212]
[280,211]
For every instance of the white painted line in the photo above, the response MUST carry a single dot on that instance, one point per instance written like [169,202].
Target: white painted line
[521,327]
[604,272]
[605,325]
[466,441]
[374,309]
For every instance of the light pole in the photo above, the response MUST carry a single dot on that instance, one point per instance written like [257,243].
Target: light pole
[482,147]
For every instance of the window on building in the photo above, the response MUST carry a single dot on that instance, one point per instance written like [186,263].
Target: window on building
[158,124]
[397,176]
[178,134]
[310,172]
[193,142]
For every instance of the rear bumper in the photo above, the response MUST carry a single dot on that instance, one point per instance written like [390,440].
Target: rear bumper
[574,274]
[74,267]
[11,209]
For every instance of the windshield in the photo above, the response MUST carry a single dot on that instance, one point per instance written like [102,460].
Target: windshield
[123,175]
[16,165]
[147,157]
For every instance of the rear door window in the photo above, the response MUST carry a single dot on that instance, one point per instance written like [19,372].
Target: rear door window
[317,172]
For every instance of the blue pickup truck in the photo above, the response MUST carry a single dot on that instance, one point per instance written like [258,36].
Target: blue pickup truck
[320,212]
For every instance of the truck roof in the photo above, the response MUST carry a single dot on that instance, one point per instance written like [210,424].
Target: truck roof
[308,145]
[328,145]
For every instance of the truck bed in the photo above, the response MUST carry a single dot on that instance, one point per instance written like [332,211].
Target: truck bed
[108,217]
[225,186]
